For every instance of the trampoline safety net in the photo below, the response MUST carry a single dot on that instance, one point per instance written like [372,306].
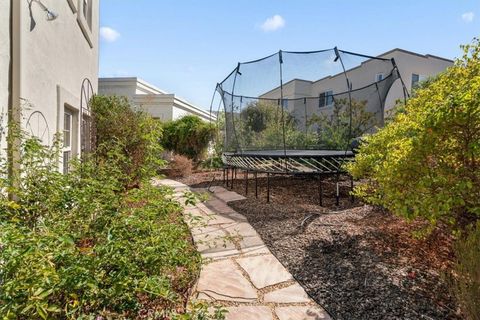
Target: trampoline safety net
[289,101]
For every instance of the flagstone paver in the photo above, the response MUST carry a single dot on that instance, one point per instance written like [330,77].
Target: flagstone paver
[301,313]
[264,270]
[238,268]
[249,312]
[291,294]
[222,280]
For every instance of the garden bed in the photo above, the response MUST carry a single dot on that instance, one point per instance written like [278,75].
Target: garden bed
[357,261]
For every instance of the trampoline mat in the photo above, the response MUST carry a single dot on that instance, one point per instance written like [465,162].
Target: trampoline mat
[291,153]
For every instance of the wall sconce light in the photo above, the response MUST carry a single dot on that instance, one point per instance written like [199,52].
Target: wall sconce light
[51,15]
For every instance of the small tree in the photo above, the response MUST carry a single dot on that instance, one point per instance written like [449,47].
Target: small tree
[334,129]
[188,136]
[425,163]
[132,137]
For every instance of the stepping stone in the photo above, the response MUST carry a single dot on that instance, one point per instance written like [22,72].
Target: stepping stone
[220,219]
[264,270]
[172,183]
[301,313]
[243,229]
[291,294]
[211,239]
[223,281]
[249,313]
[226,195]
[253,245]
[219,206]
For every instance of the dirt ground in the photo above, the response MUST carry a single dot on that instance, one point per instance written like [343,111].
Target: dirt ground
[357,261]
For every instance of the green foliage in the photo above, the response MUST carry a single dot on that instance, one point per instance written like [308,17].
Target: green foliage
[334,129]
[425,163]
[466,286]
[83,246]
[188,136]
[260,126]
[133,135]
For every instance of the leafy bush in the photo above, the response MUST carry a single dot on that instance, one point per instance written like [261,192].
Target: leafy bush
[188,136]
[83,246]
[425,163]
[134,134]
[334,129]
[180,166]
[466,286]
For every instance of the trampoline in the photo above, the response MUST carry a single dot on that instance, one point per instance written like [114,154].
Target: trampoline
[300,113]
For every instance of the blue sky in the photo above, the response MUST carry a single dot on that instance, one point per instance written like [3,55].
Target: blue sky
[187,46]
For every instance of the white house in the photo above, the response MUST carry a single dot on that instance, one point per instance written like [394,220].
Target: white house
[158,103]
[48,53]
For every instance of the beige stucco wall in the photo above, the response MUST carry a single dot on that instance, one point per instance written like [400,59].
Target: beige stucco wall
[408,64]
[4,68]
[55,58]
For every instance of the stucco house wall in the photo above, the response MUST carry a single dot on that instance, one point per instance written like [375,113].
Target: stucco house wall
[4,69]
[54,57]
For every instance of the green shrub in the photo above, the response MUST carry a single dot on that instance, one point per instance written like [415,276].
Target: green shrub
[82,246]
[188,136]
[133,135]
[425,162]
[466,286]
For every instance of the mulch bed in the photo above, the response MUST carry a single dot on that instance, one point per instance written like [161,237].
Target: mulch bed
[357,261]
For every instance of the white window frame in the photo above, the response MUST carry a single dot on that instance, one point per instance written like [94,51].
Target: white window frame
[82,20]
[326,94]
[421,78]
[67,148]
[72,5]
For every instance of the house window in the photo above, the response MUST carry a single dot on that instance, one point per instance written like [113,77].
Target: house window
[325,99]
[87,12]
[67,140]
[416,79]
[379,77]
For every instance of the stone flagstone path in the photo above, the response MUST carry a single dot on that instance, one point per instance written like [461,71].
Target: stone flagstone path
[239,272]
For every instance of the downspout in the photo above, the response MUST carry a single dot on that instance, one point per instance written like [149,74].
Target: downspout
[14,88]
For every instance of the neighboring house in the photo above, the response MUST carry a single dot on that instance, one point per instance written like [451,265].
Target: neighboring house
[47,50]
[413,68]
[158,103]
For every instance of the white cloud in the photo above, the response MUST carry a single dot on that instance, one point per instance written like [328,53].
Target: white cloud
[468,16]
[273,23]
[108,34]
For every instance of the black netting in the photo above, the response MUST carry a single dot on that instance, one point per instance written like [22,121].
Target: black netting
[304,100]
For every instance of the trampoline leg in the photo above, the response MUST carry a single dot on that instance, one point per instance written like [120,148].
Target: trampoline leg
[337,194]
[268,187]
[352,197]
[234,171]
[227,169]
[320,190]
[223,178]
[246,183]
[256,186]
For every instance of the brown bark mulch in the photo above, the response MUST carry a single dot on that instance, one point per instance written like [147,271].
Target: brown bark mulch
[355,260]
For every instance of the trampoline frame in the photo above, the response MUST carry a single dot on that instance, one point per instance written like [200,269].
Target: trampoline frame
[280,162]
